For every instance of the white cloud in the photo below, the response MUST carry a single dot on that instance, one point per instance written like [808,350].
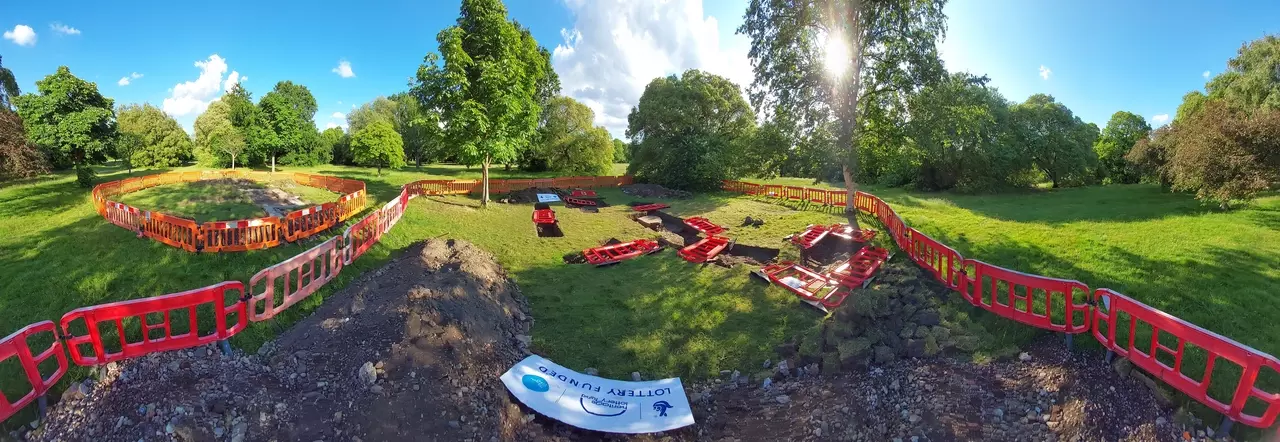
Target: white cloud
[616,47]
[124,81]
[1045,72]
[21,35]
[344,69]
[331,125]
[338,115]
[193,97]
[63,29]
[135,75]
[1160,119]
[232,80]
[1205,75]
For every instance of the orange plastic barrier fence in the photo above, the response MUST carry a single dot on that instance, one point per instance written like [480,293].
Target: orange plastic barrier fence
[16,345]
[794,193]
[1147,355]
[816,196]
[838,198]
[1039,301]
[157,335]
[302,223]
[242,235]
[227,236]
[280,286]
[178,232]
[350,204]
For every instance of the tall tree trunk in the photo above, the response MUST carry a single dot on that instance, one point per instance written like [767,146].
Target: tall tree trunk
[484,186]
[848,137]
[233,161]
[273,163]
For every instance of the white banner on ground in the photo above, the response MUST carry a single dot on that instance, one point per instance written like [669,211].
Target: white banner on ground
[596,403]
[548,198]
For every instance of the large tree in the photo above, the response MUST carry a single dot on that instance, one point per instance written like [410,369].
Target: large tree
[1252,78]
[378,109]
[1056,141]
[486,83]
[18,158]
[218,141]
[1123,131]
[691,131]
[378,145]
[8,87]
[337,141]
[69,119]
[288,112]
[1226,154]
[569,143]
[844,61]
[418,126]
[164,142]
[961,136]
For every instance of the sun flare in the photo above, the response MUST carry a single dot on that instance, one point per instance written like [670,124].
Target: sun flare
[836,57]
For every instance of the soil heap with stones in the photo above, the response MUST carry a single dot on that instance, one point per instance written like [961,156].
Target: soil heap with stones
[411,351]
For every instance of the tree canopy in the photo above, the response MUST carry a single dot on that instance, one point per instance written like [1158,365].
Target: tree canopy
[164,142]
[847,62]
[8,87]
[1122,132]
[569,143]
[486,84]
[961,133]
[1057,142]
[690,131]
[218,142]
[378,145]
[69,119]
[287,112]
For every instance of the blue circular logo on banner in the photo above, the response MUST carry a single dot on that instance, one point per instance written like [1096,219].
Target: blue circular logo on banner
[535,383]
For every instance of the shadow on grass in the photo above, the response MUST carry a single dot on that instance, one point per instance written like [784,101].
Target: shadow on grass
[1116,203]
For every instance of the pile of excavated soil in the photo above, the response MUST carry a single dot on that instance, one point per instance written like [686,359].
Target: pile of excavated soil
[411,351]
[653,191]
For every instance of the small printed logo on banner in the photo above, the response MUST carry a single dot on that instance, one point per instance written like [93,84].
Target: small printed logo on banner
[535,383]
[661,407]
[602,407]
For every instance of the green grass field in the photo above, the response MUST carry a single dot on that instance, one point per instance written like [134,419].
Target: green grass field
[658,314]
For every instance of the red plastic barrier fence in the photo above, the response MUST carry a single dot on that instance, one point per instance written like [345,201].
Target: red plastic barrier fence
[391,213]
[649,207]
[704,225]
[297,277]
[302,223]
[864,202]
[141,310]
[177,232]
[362,235]
[1146,355]
[242,235]
[614,253]
[793,192]
[544,216]
[704,250]
[124,216]
[16,345]
[945,263]
[1043,302]
[773,190]
[810,236]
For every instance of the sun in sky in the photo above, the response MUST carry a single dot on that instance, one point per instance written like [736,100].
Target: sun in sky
[835,55]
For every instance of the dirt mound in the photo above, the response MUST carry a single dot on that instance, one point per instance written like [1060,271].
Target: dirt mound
[411,351]
[1056,395]
[653,191]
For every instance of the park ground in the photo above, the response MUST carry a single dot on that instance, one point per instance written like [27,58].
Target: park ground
[660,315]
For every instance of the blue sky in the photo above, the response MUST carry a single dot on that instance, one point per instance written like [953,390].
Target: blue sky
[1100,56]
